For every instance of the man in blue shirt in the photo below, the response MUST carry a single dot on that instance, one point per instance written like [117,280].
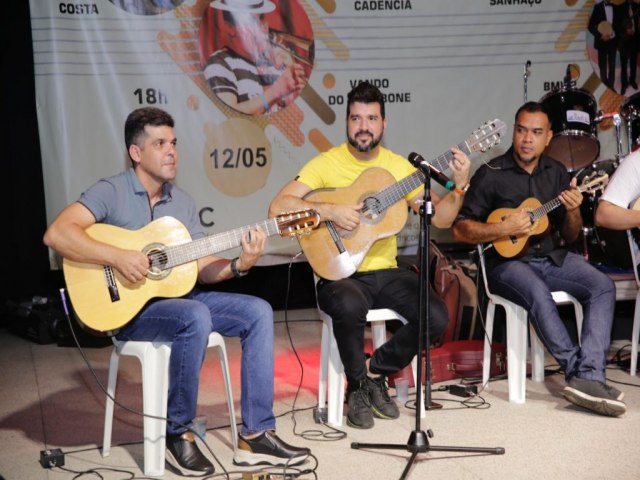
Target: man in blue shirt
[131,200]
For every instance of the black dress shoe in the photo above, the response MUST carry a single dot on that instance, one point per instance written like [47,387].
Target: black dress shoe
[634,85]
[268,448]
[184,455]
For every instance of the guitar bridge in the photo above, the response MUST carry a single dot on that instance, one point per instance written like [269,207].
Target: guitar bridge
[112,286]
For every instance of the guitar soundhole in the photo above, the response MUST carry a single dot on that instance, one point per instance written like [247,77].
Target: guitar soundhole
[158,261]
[372,208]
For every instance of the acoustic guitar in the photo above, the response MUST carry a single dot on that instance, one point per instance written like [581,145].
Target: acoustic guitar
[104,301]
[514,245]
[334,253]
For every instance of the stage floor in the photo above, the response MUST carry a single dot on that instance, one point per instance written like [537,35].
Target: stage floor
[51,400]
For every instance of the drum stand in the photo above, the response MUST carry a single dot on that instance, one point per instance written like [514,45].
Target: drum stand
[590,230]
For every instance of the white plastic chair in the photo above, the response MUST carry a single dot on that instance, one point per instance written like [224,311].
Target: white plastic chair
[635,335]
[331,384]
[154,359]
[517,322]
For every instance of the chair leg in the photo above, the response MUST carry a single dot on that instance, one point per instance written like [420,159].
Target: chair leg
[155,386]
[224,364]
[516,352]
[108,407]
[635,337]
[323,374]
[335,385]
[537,356]
[488,337]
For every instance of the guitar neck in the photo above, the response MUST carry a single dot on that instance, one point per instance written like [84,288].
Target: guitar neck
[180,254]
[395,192]
[542,210]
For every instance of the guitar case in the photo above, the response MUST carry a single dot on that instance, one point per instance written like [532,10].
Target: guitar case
[460,359]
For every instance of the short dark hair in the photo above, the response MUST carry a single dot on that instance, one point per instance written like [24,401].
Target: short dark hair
[532,107]
[365,92]
[140,118]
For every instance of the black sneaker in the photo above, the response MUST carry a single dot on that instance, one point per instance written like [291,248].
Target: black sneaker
[593,395]
[268,449]
[381,403]
[359,414]
[184,455]
[614,392]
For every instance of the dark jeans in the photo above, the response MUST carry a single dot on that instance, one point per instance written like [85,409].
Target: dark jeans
[187,323]
[347,301]
[529,285]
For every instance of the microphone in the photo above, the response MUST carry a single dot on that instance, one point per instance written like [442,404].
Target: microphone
[417,161]
[527,67]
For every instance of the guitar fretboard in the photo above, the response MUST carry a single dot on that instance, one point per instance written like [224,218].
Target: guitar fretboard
[180,254]
[393,193]
[552,204]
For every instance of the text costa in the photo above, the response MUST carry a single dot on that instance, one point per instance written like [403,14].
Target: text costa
[78,8]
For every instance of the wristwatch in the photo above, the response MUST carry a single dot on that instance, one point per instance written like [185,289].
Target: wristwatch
[234,269]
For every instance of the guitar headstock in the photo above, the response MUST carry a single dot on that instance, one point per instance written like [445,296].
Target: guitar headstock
[487,136]
[301,222]
[594,183]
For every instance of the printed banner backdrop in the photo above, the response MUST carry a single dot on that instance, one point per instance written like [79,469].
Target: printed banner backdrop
[445,66]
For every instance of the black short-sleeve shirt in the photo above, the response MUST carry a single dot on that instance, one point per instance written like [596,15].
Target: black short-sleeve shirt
[503,184]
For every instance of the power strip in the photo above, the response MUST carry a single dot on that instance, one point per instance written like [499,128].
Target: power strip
[463,390]
[51,458]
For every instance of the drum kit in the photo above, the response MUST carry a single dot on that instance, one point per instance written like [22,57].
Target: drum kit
[575,119]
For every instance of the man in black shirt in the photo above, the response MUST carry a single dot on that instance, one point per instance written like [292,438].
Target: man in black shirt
[528,280]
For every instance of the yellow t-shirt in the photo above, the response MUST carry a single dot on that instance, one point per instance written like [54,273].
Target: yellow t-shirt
[338,168]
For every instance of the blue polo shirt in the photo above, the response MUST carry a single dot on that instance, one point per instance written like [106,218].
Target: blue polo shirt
[121,200]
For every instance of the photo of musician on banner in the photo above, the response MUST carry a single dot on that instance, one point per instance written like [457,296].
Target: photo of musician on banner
[147,7]
[256,56]
[613,42]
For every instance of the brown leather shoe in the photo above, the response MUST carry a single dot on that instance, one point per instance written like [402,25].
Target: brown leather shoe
[184,455]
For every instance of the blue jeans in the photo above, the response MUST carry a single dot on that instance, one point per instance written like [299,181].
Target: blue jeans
[530,286]
[187,322]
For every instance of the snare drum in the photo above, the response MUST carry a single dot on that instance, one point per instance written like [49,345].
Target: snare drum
[575,139]
[631,113]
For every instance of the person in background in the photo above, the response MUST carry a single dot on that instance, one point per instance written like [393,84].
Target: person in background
[627,28]
[601,23]
[617,207]
[131,200]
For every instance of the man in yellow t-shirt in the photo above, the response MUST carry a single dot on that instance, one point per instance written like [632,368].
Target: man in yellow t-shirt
[378,283]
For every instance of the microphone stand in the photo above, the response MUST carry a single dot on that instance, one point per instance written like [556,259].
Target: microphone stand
[418,440]
[526,78]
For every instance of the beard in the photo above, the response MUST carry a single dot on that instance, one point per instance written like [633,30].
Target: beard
[367,147]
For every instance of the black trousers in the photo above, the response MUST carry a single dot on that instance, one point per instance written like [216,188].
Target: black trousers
[347,301]
[607,64]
